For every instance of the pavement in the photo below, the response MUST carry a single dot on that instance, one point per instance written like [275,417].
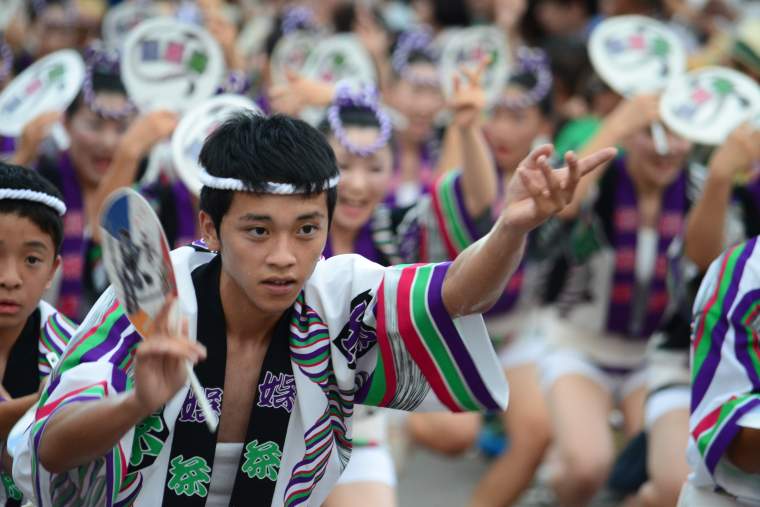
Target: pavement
[431,480]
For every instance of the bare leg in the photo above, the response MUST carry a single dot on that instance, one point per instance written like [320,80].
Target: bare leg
[366,494]
[527,424]
[444,432]
[666,459]
[579,408]
[633,412]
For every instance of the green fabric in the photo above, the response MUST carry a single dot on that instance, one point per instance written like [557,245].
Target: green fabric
[575,134]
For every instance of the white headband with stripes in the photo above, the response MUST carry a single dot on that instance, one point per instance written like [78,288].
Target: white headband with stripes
[268,188]
[34,196]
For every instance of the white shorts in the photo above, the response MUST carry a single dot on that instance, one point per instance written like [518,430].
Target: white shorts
[666,400]
[619,382]
[520,352]
[370,464]
[693,496]
[668,368]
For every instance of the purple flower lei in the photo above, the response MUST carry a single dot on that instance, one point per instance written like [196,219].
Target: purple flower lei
[107,59]
[408,42]
[297,18]
[532,61]
[236,83]
[365,97]
[6,61]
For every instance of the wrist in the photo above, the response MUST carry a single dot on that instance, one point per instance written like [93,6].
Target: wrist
[22,157]
[234,60]
[508,232]
[129,152]
[467,128]
[722,171]
[134,408]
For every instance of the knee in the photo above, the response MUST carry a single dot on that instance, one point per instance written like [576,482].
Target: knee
[449,434]
[458,440]
[664,491]
[586,473]
[532,431]
[535,424]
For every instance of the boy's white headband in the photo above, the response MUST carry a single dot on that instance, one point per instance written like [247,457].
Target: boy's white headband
[34,196]
[268,188]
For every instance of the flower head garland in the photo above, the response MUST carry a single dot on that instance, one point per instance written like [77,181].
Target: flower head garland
[236,83]
[535,62]
[6,61]
[107,60]
[365,97]
[297,18]
[419,40]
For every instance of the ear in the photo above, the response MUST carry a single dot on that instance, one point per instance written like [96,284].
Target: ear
[53,269]
[208,232]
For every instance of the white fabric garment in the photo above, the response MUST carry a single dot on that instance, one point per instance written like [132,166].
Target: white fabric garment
[724,379]
[646,254]
[226,460]
[345,292]
[370,464]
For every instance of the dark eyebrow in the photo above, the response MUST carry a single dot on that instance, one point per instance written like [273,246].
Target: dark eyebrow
[251,217]
[37,245]
[311,216]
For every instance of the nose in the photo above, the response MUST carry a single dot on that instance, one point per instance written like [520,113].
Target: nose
[427,102]
[10,276]
[353,181]
[281,255]
[110,138]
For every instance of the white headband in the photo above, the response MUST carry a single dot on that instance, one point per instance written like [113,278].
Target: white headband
[31,195]
[268,187]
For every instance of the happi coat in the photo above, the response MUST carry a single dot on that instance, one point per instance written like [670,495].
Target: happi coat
[358,333]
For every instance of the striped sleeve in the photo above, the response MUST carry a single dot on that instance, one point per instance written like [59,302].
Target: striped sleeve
[450,223]
[95,365]
[54,336]
[725,355]
[423,354]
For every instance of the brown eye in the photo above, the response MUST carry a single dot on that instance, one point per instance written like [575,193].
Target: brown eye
[33,261]
[308,230]
[257,232]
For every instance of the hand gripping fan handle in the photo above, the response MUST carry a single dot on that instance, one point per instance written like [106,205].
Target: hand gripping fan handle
[660,138]
[212,421]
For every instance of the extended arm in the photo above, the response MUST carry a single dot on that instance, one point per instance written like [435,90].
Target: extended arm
[705,227]
[478,276]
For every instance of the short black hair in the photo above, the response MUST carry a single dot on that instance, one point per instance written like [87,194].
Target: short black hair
[344,17]
[257,150]
[416,56]
[526,81]
[451,13]
[352,116]
[34,10]
[42,215]
[103,81]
